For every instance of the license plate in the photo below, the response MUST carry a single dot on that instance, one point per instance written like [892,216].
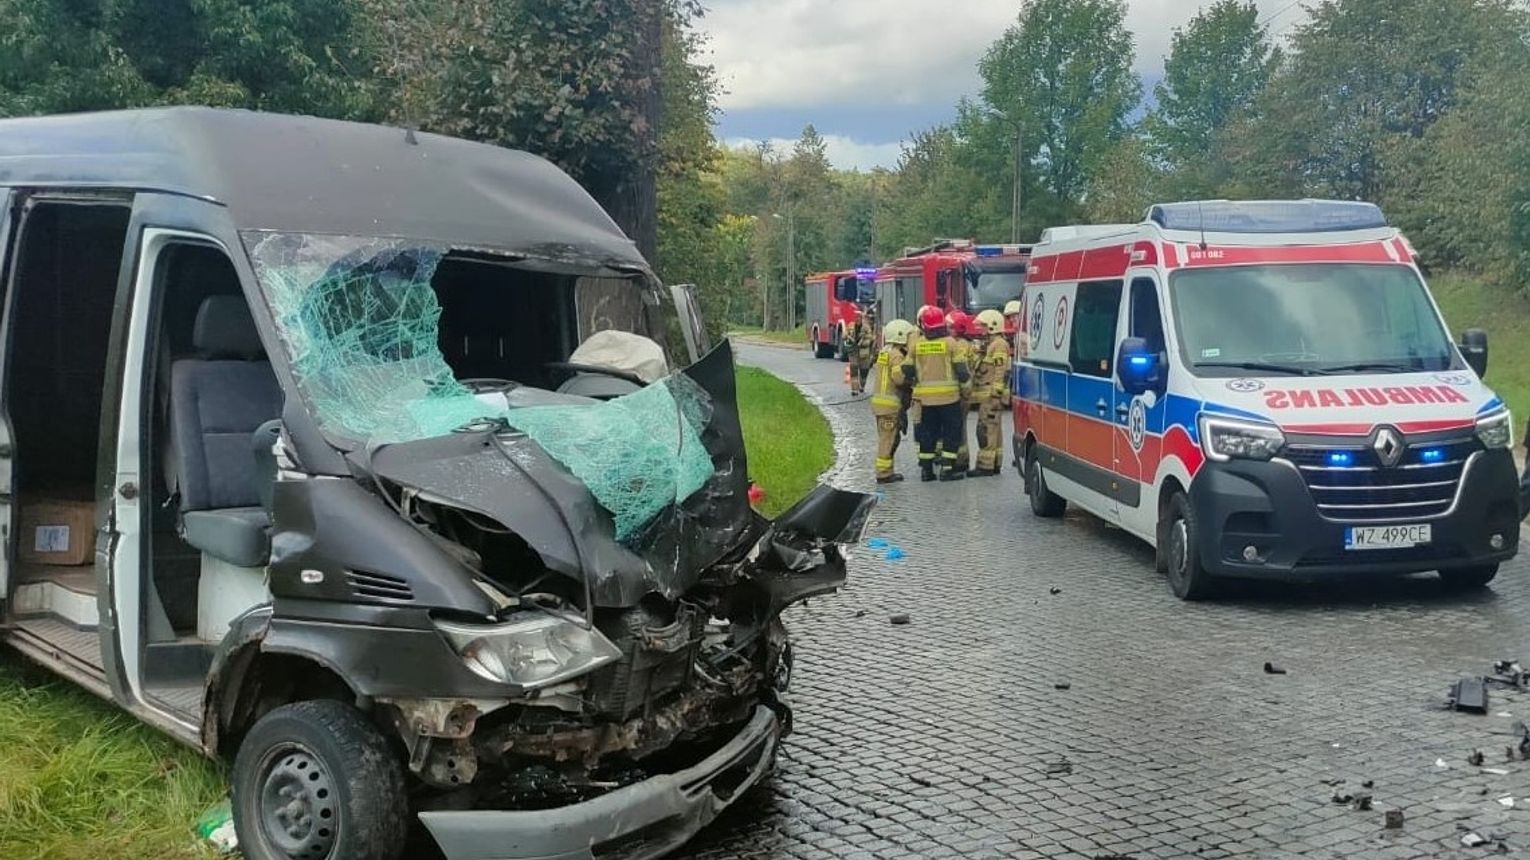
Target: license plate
[1386,537]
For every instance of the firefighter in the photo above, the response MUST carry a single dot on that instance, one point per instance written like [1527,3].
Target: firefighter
[990,388]
[1012,312]
[863,348]
[938,376]
[888,390]
[959,324]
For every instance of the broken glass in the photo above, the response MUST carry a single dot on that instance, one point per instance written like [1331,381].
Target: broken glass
[360,322]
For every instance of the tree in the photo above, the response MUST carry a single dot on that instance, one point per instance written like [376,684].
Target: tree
[577,81]
[1366,81]
[296,56]
[1124,186]
[1062,78]
[1218,65]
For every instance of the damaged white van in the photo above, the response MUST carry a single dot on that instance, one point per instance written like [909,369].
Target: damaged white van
[380,464]
[1262,390]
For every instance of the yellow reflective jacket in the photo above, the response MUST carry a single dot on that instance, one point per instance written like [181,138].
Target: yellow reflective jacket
[940,371]
[991,376]
[887,382]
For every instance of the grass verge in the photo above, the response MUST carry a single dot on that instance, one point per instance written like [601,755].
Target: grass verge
[82,780]
[787,439]
[797,337]
[1505,315]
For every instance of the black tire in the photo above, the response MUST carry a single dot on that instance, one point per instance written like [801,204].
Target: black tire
[1188,578]
[841,347]
[331,767]
[821,349]
[1467,578]
[1044,503]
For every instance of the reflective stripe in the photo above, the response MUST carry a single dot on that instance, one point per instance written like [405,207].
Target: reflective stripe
[884,464]
[888,401]
[936,389]
[926,457]
[949,455]
[931,347]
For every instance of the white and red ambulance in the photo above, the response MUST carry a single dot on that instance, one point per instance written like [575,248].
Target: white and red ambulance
[1261,390]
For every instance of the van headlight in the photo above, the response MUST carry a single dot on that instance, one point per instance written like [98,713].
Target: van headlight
[1226,439]
[1496,431]
[531,650]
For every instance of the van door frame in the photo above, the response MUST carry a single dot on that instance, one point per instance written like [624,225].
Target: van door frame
[1136,493]
[10,203]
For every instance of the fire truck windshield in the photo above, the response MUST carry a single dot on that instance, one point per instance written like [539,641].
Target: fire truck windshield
[987,289]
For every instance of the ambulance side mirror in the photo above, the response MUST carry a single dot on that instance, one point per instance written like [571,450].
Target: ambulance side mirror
[1137,365]
[1474,348]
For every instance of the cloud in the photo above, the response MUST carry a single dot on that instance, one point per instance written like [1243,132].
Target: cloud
[827,53]
[844,152]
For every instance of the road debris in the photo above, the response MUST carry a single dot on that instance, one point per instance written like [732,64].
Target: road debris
[878,543]
[860,613]
[1506,802]
[1511,673]
[1062,685]
[1392,819]
[1496,771]
[1061,767]
[1361,802]
[1440,763]
[1370,783]
[1055,590]
[216,827]
[899,619]
[1272,669]
[1468,694]
[1476,758]
[894,553]
[1474,840]
[921,781]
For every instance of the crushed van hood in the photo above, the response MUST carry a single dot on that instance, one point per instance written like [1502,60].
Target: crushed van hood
[510,479]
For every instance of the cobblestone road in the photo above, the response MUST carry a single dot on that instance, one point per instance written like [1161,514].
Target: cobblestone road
[949,737]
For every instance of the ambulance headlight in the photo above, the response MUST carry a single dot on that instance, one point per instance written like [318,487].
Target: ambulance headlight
[1229,439]
[1496,431]
[532,650]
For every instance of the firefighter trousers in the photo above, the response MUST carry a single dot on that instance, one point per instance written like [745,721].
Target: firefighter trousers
[940,427]
[887,444]
[964,456]
[990,434]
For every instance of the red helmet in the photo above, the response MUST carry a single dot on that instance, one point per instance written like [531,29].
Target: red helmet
[930,318]
[959,323]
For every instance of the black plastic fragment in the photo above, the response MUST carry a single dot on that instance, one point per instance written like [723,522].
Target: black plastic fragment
[1468,694]
[1272,669]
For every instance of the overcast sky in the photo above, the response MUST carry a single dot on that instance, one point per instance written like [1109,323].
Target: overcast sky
[867,72]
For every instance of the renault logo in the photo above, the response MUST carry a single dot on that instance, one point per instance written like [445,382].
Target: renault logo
[1388,446]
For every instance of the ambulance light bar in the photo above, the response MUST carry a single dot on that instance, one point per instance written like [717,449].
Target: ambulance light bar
[1268,216]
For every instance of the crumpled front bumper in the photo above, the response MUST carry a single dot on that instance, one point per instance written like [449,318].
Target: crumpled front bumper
[640,821]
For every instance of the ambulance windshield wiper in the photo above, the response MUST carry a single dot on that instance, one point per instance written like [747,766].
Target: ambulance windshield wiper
[1382,366]
[1257,365]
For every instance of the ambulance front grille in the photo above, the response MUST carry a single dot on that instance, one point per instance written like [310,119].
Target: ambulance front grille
[1366,491]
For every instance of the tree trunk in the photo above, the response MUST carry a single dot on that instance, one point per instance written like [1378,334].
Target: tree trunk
[633,200]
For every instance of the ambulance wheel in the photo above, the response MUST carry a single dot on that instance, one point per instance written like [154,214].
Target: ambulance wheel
[1466,578]
[1188,579]
[1044,502]
[316,780]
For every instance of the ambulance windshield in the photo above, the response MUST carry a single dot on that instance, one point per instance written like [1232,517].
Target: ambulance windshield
[1307,319]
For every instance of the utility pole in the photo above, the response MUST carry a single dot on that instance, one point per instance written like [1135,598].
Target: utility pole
[1014,218]
[791,268]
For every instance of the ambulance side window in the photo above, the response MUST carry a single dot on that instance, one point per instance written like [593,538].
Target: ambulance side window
[1097,305]
[1146,319]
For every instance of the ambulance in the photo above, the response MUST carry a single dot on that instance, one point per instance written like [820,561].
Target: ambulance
[1261,390]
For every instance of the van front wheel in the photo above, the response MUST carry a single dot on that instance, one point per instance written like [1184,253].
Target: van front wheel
[317,781]
[1188,579]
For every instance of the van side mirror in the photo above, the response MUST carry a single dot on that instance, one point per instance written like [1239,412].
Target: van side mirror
[1137,365]
[1474,348]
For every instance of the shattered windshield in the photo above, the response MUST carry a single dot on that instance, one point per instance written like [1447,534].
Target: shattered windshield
[362,320]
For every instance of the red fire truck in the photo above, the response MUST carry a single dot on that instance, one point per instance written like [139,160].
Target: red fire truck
[831,309]
[955,274]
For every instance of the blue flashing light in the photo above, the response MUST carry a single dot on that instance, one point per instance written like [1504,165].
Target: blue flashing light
[1268,216]
[990,251]
[1431,455]
[1341,458]
[866,274]
[1141,361]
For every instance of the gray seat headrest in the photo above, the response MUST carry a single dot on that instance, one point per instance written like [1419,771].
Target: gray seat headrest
[225,328]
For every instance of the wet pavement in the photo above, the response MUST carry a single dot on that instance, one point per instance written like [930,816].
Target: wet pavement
[1050,698]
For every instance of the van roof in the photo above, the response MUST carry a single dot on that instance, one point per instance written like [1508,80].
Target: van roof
[308,175]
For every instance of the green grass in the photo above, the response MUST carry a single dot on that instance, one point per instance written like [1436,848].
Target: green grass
[83,780]
[797,337]
[786,437]
[1505,316]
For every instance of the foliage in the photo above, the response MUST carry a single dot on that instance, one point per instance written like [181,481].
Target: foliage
[296,56]
[1062,76]
[1217,66]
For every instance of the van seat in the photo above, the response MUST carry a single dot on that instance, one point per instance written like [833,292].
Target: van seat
[217,401]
